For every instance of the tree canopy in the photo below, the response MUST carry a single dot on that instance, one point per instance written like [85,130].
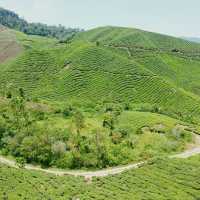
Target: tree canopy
[12,20]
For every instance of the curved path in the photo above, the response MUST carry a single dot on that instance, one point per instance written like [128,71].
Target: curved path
[101,173]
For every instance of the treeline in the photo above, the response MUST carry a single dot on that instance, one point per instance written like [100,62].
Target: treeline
[12,20]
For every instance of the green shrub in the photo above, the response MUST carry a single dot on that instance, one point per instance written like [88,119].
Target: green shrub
[124,131]
[39,115]
[109,121]
[65,161]
[97,43]
[58,148]
[68,111]
[20,162]
[116,137]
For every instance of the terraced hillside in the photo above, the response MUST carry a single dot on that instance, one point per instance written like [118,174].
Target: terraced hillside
[137,38]
[87,71]
[110,96]
[164,179]
[172,58]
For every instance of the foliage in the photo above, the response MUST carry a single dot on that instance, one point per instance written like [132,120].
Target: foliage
[81,71]
[160,179]
[20,162]
[78,119]
[84,105]
[12,20]
[97,99]
[81,140]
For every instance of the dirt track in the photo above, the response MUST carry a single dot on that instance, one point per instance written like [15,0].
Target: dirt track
[100,173]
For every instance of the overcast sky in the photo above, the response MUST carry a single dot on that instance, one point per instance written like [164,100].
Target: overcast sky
[174,17]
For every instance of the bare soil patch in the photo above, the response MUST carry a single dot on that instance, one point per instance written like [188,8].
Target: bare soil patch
[9,47]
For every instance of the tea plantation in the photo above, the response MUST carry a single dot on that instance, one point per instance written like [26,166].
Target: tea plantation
[83,71]
[161,179]
[105,97]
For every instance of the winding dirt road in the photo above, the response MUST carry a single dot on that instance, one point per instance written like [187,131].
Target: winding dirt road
[101,173]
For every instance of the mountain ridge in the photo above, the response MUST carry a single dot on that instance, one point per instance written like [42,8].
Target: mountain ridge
[12,20]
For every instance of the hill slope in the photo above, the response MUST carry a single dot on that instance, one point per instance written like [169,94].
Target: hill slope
[136,38]
[86,72]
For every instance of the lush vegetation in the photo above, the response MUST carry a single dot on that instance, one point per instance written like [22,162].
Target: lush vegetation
[71,136]
[161,179]
[85,104]
[12,20]
[60,72]
[129,37]
[101,98]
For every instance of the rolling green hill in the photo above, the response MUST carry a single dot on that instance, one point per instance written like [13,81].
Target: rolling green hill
[120,36]
[192,39]
[85,71]
[121,79]
[110,96]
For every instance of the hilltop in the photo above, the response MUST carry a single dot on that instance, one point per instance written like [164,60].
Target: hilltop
[130,37]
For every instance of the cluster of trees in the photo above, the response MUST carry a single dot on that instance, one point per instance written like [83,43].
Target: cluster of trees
[12,20]
[28,135]
[22,137]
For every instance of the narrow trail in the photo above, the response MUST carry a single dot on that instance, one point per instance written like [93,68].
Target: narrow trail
[88,175]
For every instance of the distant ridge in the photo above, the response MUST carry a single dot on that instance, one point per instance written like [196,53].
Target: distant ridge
[12,20]
[192,39]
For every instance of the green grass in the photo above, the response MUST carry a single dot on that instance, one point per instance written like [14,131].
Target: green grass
[136,120]
[165,179]
[180,71]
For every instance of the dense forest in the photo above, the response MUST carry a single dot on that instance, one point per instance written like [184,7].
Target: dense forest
[12,20]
